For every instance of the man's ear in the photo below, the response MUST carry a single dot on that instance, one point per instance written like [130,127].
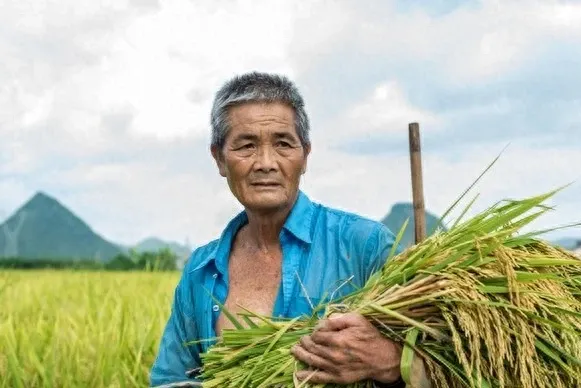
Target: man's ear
[219,158]
[307,149]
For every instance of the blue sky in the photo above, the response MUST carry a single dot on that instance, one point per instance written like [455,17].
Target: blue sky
[106,106]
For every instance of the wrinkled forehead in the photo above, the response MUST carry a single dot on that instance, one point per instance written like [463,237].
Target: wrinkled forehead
[250,112]
[270,119]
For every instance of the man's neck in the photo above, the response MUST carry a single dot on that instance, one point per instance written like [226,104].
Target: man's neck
[263,229]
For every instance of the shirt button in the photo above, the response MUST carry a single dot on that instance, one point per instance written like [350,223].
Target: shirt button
[215,275]
[216,308]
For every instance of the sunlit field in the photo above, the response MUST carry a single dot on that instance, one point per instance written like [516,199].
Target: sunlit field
[81,329]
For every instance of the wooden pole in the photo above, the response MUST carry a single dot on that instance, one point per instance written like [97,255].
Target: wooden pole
[417,182]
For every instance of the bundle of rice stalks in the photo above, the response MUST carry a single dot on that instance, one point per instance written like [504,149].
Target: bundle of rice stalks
[483,305]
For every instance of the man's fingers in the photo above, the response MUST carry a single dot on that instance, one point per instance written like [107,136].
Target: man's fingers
[312,359]
[330,339]
[338,322]
[310,346]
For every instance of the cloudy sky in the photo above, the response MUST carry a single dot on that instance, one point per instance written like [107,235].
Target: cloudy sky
[105,104]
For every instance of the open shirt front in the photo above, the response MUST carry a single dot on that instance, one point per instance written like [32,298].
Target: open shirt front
[326,253]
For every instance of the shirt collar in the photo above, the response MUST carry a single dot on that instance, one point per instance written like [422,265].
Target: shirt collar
[298,223]
[299,219]
[219,254]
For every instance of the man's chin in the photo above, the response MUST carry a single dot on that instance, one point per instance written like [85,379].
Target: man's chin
[267,202]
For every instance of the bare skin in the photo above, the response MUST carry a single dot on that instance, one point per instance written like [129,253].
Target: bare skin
[256,293]
[263,161]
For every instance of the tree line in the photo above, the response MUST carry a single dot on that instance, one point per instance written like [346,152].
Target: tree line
[162,260]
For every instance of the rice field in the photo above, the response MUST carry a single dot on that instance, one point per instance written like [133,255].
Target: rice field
[81,329]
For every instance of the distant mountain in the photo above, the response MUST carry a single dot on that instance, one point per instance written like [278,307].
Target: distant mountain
[397,216]
[43,228]
[569,243]
[155,244]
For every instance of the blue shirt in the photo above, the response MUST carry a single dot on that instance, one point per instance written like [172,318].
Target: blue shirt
[331,251]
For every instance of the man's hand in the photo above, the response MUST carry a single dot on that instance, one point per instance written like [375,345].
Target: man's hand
[345,349]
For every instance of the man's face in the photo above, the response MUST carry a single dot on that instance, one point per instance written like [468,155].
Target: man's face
[262,158]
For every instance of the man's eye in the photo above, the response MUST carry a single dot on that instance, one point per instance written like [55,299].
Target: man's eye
[283,144]
[246,146]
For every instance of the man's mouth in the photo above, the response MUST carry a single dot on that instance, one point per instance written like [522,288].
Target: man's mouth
[265,184]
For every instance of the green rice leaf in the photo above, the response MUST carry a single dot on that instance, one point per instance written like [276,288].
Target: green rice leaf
[408,353]
[398,238]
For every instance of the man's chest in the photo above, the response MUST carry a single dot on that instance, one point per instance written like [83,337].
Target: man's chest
[254,282]
[249,272]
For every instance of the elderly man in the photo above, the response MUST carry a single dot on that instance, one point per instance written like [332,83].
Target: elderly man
[283,253]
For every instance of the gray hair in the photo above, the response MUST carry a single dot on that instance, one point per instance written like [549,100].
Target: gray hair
[257,87]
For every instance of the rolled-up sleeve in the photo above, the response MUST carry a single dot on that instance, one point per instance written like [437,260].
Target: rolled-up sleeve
[174,358]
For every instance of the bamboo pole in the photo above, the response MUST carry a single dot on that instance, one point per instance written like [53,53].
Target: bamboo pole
[417,182]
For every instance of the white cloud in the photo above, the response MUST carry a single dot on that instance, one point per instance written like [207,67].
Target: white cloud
[473,43]
[162,57]
[387,110]
[370,184]
[150,62]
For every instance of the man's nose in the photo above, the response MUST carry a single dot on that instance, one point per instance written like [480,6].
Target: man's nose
[266,158]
